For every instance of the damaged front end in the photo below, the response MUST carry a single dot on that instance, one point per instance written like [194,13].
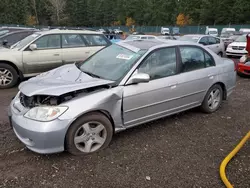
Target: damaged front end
[51,100]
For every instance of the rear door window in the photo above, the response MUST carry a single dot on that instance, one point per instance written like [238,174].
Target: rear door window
[95,40]
[72,40]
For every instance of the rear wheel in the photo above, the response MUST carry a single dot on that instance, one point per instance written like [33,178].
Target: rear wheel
[8,76]
[89,134]
[213,99]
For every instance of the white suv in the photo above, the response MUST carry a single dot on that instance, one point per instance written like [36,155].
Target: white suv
[43,51]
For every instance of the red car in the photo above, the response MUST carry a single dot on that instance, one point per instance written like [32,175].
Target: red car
[243,68]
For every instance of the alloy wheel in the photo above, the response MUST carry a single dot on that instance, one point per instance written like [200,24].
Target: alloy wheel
[214,99]
[90,137]
[6,77]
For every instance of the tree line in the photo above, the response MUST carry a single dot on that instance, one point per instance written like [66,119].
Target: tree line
[92,13]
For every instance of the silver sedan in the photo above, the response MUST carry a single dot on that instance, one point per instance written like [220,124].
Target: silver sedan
[79,107]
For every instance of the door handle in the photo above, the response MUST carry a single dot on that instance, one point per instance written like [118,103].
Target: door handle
[56,54]
[210,76]
[87,52]
[173,85]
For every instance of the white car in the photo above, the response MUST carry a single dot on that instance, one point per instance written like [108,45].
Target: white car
[213,43]
[212,31]
[244,31]
[165,31]
[46,50]
[238,47]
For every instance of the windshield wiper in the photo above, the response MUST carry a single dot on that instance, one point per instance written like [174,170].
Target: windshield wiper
[91,74]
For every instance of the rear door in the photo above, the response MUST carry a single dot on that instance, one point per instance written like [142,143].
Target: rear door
[198,73]
[74,48]
[213,45]
[47,56]
[95,42]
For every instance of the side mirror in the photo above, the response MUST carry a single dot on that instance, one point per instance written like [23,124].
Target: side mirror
[33,47]
[138,78]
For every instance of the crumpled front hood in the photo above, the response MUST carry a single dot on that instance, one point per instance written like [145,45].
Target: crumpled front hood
[59,81]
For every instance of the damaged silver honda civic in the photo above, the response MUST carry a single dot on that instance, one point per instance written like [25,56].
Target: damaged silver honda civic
[79,107]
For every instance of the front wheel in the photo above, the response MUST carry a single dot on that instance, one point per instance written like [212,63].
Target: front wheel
[8,76]
[213,99]
[88,134]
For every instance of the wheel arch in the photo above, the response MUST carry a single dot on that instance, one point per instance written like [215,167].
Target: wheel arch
[102,112]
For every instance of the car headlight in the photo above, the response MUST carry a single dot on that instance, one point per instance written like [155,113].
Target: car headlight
[45,114]
[229,46]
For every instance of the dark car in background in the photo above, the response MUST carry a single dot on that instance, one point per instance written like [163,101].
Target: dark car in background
[11,38]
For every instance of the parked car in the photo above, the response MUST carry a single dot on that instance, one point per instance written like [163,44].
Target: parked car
[141,37]
[212,31]
[243,67]
[238,47]
[79,107]
[231,39]
[43,51]
[165,31]
[11,38]
[227,30]
[213,43]
[118,31]
[244,31]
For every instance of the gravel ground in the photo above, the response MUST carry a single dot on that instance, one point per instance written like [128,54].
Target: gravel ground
[183,150]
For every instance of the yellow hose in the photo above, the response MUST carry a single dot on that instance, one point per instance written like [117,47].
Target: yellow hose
[229,157]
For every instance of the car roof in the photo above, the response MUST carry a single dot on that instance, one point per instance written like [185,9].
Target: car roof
[137,45]
[58,31]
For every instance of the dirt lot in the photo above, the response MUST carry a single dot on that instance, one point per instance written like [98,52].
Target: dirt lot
[183,150]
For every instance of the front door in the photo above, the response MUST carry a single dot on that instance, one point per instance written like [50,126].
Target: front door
[213,45]
[47,56]
[146,101]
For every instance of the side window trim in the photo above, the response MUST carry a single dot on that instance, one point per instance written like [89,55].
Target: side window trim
[204,51]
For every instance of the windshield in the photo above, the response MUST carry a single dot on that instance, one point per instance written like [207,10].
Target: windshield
[111,63]
[189,38]
[26,41]
[241,39]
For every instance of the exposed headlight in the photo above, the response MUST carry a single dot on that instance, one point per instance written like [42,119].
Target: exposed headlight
[45,114]
[229,46]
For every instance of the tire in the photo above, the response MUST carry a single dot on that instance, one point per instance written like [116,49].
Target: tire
[84,138]
[8,76]
[210,107]
[220,54]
